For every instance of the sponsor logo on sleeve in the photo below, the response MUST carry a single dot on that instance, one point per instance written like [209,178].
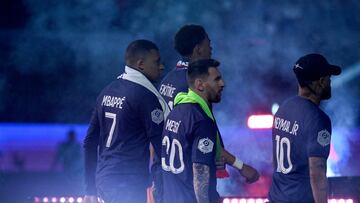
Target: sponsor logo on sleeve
[324,138]
[157,116]
[205,145]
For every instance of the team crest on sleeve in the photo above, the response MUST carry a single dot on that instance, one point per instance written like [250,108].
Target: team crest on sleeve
[157,116]
[205,145]
[324,138]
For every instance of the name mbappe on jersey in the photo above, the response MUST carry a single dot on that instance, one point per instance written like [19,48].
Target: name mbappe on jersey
[111,101]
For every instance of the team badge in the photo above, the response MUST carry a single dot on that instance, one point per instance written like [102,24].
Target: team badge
[205,145]
[157,116]
[324,138]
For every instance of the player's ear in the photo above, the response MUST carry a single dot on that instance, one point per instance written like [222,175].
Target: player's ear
[199,84]
[323,81]
[140,63]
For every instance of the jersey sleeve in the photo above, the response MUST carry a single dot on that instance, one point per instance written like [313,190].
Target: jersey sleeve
[91,143]
[204,145]
[153,119]
[319,136]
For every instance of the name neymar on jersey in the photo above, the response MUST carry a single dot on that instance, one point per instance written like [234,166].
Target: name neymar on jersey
[284,125]
[111,101]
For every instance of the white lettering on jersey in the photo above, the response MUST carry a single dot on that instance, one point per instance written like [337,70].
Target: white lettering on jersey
[294,129]
[115,102]
[324,137]
[205,145]
[167,90]
[157,116]
[172,126]
[284,125]
[182,63]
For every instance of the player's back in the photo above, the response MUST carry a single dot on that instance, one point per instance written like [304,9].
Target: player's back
[173,83]
[178,153]
[123,143]
[294,137]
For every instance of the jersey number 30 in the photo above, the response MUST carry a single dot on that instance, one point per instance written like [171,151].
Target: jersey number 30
[174,145]
[280,154]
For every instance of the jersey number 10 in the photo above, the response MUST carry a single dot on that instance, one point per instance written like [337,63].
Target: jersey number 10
[280,154]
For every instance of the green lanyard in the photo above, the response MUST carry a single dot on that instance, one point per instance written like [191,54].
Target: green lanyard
[193,98]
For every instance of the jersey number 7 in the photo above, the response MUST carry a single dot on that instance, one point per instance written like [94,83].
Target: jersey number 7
[113,117]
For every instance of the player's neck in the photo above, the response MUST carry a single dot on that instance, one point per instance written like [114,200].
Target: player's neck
[307,94]
[195,57]
[203,96]
[192,59]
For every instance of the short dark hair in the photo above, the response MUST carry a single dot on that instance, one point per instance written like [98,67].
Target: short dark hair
[200,69]
[137,49]
[188,37]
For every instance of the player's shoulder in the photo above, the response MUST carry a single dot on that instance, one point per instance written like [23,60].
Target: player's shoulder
[137,90]
[313,113]
[121,85]
[303,105]
[174,74]
[132,91]
[191,111]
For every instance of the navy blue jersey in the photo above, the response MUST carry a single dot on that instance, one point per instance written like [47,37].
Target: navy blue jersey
[189,136]
[174,82]
[301,130]
[126,118]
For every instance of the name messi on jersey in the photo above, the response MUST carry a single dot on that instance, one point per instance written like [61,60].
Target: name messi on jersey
[167,90]
[284,125]
[172,126]
[111,101]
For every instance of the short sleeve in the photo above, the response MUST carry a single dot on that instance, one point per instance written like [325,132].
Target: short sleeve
[319,133]
[204,145]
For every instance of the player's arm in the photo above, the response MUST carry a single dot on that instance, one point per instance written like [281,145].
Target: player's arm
[318,147]
[318,180]
[248,172]
[91,142]
[203,157]
[201,182]
[153,119]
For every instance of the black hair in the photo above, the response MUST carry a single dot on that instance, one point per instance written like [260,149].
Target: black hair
[187,38]
[199,69]
[137,49]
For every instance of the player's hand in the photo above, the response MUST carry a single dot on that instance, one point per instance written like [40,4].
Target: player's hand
[251,174]
[90,199]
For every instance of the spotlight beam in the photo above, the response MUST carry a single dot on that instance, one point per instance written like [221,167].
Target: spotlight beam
[347,75]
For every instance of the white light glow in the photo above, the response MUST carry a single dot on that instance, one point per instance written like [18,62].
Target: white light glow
[260,121]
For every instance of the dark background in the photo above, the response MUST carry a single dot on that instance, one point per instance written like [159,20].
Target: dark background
[56,56]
